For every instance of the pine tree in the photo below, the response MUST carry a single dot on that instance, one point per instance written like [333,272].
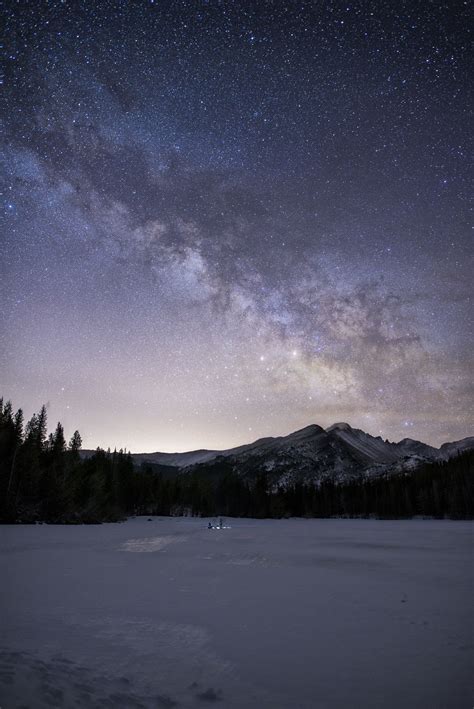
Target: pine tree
[7,454]
[42,421]
[7,414]
[31,428]
[59,442]
[18,440]
[18,425]
[75,444]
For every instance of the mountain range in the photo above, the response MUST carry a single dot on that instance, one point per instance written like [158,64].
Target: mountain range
[337,453]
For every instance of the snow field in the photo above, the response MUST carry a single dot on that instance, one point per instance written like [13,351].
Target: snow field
[280,614]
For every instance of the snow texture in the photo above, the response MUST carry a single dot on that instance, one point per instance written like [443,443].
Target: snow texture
[266,614]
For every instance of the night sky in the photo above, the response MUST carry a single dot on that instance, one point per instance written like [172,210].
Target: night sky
[225,220]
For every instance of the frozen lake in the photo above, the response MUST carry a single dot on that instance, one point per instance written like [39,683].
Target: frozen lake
[280,614]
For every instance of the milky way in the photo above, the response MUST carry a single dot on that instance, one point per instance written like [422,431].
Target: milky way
[226,220]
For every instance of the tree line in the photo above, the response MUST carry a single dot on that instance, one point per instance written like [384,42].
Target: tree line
[435,489]
[45,478]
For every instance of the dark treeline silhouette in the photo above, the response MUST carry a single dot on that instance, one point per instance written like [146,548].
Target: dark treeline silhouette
[440,489]
[43,478]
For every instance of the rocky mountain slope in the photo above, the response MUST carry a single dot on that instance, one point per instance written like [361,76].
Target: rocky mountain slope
[339,452]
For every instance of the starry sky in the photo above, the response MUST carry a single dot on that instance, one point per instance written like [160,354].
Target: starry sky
[229,219]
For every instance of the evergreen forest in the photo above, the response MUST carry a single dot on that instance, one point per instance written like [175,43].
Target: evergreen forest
[44,478]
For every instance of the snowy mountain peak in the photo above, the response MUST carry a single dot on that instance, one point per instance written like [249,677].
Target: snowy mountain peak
[306,432]
[342,426]
[447,450]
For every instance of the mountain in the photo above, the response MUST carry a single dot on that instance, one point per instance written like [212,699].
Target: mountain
[449,450]
[338,453]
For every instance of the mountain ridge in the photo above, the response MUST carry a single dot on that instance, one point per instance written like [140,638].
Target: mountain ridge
[339,452]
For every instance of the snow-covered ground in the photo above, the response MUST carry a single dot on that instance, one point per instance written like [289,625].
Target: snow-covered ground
[273,614]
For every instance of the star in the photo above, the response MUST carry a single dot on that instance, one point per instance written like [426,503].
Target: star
[225,219]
